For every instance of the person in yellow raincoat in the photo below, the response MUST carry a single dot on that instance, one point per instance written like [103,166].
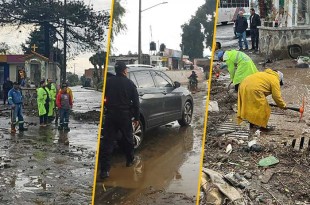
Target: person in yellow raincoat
[252,103]
[239,65]
[51,88]
[43,103]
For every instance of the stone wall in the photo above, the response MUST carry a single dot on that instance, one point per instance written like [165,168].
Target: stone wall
[281,38]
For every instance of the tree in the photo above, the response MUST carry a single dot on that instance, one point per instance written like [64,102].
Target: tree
[37,38]
[4,48]
[73,79]
[199,30]
[98,60]
[85,28]
[119,12]
[192,39]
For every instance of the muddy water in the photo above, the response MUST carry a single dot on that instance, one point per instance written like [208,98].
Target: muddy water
[47,166]
[169,160]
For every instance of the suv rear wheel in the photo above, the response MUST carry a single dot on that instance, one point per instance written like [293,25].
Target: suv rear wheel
[187,114]
[138,134]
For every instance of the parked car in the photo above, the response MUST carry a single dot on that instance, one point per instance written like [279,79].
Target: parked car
[161,100]
[247,16]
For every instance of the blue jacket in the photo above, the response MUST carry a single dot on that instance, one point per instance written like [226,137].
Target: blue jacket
[15,97]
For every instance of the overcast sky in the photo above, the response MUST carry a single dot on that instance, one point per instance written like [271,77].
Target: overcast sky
[164,21]
[161,24]
[14,38]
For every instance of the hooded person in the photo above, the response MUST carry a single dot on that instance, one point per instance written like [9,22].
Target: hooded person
[51,88]
[238,64]
[43,97]
[252,103]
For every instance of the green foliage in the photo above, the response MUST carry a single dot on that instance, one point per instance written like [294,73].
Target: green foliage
[86,28]
[73,79]
[199,30]
[98,61]
[119,13]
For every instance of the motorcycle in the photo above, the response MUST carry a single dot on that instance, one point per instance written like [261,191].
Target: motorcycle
[192,84]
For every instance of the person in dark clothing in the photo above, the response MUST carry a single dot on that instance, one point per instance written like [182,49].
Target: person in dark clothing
[121,106]
[7,86]
[241,26]
[254,22]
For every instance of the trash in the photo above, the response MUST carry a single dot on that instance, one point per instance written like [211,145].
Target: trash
[230,192]
[268,161]
[213,106]
[213,196]
[236,180]
[248,175]
[251,143]
[267,176]
[229,149]
[257,133]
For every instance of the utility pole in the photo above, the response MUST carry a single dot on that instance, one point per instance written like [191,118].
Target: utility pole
[64,71]
[139,35]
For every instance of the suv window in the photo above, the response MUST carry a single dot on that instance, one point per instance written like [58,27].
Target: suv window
[144,79]
[133,79]
[162,80]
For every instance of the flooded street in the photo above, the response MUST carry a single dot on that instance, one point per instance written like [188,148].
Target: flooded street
[47,166]
[168,169]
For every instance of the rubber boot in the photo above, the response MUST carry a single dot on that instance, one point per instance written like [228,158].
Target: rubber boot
[22,128]
[60,127]
[13,129]
[66,128]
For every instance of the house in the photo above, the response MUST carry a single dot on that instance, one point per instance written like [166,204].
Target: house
[291,39]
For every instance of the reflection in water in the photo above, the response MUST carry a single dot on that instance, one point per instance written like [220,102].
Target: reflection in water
[163,152]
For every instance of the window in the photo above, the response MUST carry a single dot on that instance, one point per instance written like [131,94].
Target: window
[143,79]
[303,15]
[132,77]
[162,80]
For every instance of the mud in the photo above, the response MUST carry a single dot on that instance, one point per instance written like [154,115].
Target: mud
[289,183]
[47,166]
[168,169]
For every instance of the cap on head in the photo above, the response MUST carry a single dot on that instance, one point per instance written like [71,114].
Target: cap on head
[42,82]
[120,67]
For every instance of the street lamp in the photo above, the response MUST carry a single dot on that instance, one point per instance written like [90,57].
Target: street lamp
[139,35]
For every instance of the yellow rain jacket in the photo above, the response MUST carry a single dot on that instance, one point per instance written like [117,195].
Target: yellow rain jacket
[252,102]
[244,68]
[69,91]
[41,98]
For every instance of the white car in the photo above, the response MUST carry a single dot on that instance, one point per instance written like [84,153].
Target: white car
[147,66]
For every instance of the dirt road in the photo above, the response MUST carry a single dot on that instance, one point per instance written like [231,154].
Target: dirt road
[45,166]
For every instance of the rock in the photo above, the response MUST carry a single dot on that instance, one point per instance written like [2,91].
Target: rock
[248,175]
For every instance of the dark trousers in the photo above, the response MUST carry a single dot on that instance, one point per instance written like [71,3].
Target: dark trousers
[5,96]
[254,37]
[44,118]
[64,117]
[115,123]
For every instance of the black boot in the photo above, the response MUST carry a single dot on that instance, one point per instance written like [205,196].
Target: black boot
[22,128]
[66,128]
